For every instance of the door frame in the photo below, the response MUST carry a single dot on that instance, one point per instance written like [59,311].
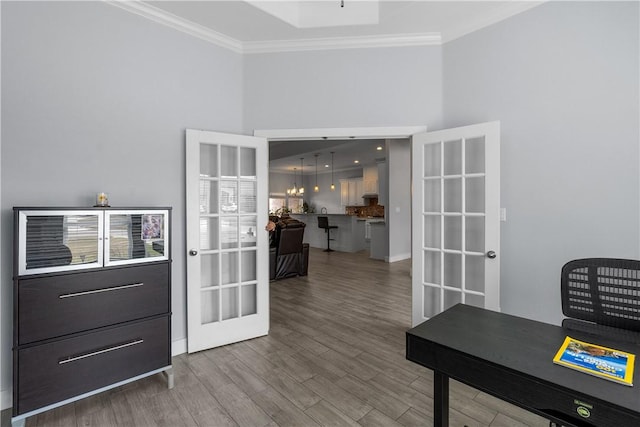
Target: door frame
[385,132]
[314,134]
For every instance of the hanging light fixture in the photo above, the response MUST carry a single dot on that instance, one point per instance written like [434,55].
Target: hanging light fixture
[333,187]
[301,189]
[294,190]
[316,188]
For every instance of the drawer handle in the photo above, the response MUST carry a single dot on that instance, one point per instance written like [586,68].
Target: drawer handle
[95,353]
[97,291]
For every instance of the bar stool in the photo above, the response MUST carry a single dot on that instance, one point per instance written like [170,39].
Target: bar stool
[323,222]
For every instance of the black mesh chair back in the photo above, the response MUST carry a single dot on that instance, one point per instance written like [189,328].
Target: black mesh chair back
[605,291]
[323,222]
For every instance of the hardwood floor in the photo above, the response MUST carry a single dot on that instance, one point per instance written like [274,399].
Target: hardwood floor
[334,357]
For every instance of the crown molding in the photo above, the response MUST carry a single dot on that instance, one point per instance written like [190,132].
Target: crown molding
[380,132]
[170,20]
[392,40]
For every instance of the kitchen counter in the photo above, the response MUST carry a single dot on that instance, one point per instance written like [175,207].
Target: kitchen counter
[349,236]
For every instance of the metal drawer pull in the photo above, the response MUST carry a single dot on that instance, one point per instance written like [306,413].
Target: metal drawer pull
[95,353]
[115,288]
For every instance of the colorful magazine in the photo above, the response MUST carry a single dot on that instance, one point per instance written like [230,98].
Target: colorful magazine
[603,362]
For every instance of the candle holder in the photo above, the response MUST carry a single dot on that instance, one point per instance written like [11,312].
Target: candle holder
[102,200]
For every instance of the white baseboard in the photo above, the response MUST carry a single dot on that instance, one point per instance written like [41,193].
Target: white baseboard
[178,347]
[396,258]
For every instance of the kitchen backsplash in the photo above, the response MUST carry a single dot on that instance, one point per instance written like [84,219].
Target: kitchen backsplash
[373,209]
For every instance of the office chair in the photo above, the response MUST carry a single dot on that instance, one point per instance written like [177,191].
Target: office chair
[604,291]
[602,294]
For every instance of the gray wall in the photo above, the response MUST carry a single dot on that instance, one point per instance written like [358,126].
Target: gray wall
[398,213]
[344,88]
[95,98]
[563,80]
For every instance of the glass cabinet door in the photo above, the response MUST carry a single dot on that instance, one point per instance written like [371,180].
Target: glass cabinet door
[51,241]
[133,236]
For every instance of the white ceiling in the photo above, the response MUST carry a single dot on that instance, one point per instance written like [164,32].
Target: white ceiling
[241,26]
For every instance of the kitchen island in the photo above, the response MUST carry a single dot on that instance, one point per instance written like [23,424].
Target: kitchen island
[379,244]
[348,237]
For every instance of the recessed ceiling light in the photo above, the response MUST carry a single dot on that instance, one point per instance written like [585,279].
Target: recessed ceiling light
[379,148]
[326,166]
[356,161]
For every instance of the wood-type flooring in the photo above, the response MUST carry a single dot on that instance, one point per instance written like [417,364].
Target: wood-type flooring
[335,356]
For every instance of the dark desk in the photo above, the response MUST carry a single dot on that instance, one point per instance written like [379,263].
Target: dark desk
[511,358]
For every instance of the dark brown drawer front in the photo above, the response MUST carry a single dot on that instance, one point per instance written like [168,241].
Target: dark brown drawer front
[49,373]
[50,307]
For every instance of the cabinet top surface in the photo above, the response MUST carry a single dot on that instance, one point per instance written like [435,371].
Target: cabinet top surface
[88,208]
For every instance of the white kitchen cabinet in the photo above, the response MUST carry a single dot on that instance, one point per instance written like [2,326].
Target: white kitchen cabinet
[351,191]
[370,180]
[344,192]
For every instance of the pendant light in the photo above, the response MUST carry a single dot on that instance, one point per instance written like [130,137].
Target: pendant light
[293,191]
[333,187]
[301,189]
[316,188]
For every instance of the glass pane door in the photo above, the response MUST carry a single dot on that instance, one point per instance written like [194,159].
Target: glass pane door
[456,216]
[228,227]
[224,287]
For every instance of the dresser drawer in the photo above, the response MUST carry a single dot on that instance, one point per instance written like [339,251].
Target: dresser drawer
[53,306]
[52,372]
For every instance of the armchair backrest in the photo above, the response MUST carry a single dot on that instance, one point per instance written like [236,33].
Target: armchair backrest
[605,291]
[290,241]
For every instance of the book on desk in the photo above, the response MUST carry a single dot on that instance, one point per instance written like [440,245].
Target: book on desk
[602,362]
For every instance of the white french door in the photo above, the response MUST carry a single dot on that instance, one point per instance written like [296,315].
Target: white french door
[455,219]
[227,259]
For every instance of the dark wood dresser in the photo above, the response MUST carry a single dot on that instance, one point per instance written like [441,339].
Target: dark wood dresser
[92,306]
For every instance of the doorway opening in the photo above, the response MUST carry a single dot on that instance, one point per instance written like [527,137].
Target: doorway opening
[369,169]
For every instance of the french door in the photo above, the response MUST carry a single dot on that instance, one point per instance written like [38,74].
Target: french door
[227,259]
[455,219]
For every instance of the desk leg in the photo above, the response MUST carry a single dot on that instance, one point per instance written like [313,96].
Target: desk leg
[440,399]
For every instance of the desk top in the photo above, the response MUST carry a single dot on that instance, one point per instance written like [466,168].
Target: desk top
[528,347]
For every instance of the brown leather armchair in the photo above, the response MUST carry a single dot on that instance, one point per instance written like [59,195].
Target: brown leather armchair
[288,256]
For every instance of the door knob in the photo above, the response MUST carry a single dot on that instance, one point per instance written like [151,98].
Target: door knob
[491,254]
[193,252]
